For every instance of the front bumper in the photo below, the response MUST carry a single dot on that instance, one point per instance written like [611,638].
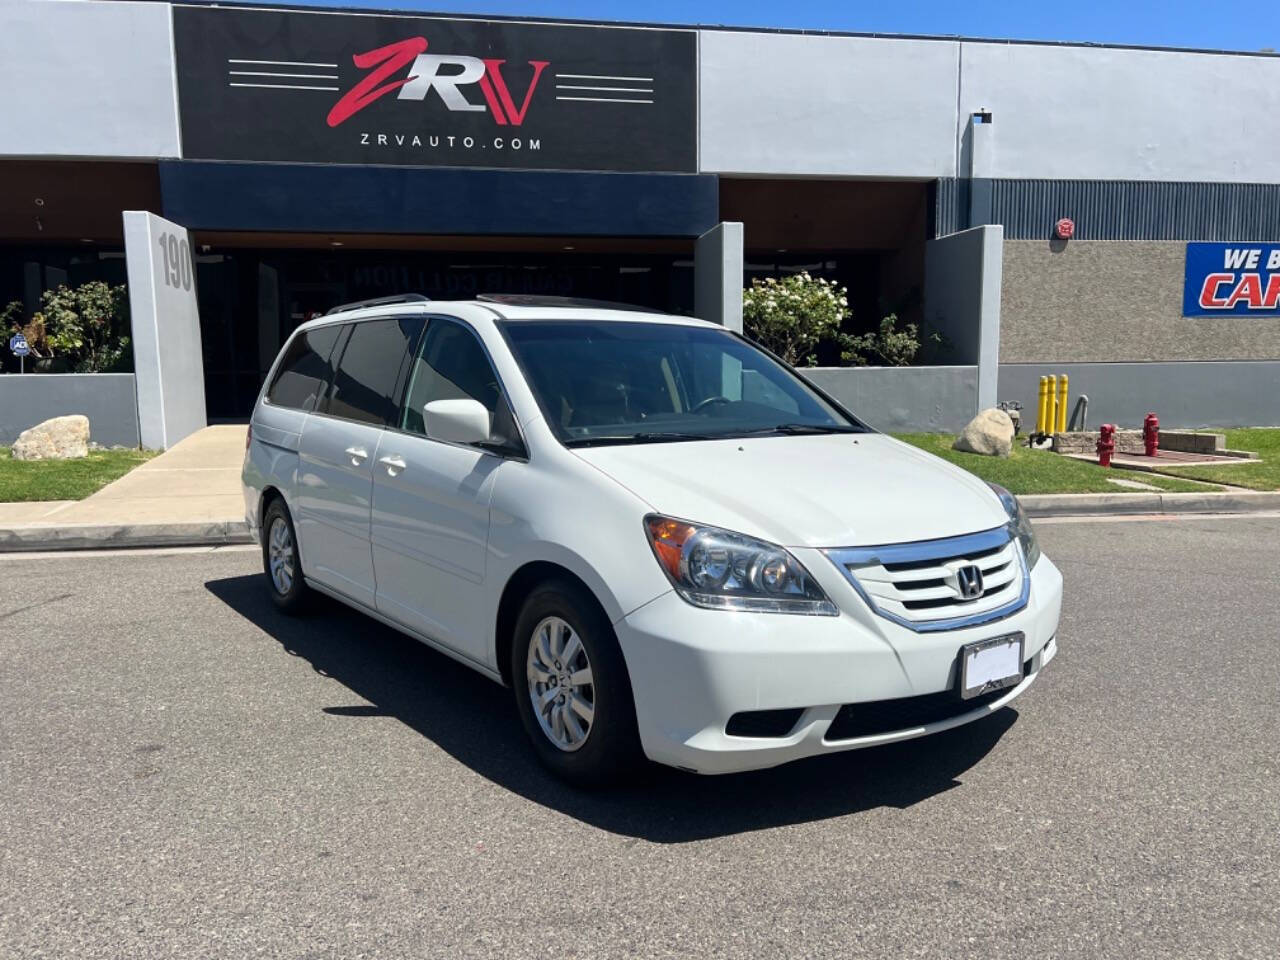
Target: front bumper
[692,669]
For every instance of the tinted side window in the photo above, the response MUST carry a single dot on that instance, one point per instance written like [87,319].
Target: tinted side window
[450,365]
[364,386]
[304,372]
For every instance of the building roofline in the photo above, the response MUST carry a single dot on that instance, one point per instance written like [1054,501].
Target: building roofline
[721,28]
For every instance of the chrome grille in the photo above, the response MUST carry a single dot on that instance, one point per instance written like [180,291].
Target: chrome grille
[930,585]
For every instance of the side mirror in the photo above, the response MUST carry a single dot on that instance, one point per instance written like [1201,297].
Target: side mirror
[457,421]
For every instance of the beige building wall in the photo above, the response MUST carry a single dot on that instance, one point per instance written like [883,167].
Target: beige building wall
[1106,301]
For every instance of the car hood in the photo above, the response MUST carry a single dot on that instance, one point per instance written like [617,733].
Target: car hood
[829,490]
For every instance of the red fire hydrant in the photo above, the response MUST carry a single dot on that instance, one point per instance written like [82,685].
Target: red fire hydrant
[1106,444]
[1151,434]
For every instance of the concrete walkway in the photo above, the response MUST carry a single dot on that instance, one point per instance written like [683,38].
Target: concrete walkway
[196,481]
[188,494]
[31,511]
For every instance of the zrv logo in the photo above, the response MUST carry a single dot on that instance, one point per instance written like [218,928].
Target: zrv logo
[429,71]
[282,86]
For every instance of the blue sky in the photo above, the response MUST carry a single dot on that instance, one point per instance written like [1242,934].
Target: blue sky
[1177,23]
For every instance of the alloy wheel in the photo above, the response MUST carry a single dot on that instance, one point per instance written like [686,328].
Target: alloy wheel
[280,555]
[560,684]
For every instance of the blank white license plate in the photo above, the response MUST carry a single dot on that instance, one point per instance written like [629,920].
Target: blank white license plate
[991,664]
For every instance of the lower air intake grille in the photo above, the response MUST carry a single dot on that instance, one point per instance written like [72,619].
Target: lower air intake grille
[889,716]
[763,723]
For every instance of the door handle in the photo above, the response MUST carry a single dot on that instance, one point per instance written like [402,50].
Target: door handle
[393,464]
[358,455]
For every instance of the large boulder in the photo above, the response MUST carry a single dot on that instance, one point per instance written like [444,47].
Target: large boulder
[989,433]
[62,438]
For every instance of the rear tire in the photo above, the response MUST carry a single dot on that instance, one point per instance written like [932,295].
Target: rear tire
[280,560]
[571,686]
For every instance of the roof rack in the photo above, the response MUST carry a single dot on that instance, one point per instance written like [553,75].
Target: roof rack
[378,302]
[538,300]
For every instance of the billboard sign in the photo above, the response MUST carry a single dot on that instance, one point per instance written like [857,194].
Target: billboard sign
[1231,278]
[333,87]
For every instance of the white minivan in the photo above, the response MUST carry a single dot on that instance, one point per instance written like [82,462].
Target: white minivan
[663,539]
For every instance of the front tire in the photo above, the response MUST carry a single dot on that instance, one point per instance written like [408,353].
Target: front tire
[280,560]
[571,686]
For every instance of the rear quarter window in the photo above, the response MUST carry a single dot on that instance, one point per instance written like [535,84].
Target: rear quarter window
[304,370]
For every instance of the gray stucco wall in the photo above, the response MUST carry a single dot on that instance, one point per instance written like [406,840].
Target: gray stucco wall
[1098,113]
[778,103]
[1193,395]
[87,79]
[1102,301]
[928,399]
[773,103]
[107,399]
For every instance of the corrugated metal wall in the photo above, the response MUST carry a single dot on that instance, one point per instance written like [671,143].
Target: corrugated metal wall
[951,206]
[1119,210]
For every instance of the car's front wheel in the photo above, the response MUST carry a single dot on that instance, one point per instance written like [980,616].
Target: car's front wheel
[280,559]
[571,687]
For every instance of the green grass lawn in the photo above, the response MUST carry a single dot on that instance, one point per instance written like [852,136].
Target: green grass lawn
[1039,471]
[1265,442]
[24,480]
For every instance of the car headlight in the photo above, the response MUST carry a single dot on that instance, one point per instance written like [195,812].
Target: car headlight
[722,570]
[1019,525]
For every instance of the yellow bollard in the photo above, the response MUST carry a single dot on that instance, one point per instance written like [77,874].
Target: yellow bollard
[1062,404]
[1051,405]
[1042,404]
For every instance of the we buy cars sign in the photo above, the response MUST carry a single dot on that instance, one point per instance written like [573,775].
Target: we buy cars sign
[1231,278]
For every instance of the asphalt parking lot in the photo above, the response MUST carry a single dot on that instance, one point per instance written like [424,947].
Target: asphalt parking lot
[186,773]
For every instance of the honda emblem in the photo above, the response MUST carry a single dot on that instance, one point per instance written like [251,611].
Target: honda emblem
[969,582]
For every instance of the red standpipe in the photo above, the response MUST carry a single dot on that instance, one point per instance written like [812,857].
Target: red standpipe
[1151,434]
[1106,444]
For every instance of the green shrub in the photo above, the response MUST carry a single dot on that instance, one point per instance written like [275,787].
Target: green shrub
[792,316]
[890,346]
[84,329]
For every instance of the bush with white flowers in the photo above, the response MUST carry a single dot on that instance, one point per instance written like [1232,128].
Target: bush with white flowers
[792,315]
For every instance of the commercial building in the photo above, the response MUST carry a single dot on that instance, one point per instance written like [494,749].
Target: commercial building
[306,157]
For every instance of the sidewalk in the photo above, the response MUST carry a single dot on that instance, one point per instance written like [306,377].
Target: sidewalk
[189,494]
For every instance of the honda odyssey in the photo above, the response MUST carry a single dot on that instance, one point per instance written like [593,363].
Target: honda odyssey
[665,541]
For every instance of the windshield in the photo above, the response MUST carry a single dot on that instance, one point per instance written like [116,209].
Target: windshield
[635,382]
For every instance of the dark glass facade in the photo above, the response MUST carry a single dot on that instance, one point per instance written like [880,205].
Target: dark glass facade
[252,299]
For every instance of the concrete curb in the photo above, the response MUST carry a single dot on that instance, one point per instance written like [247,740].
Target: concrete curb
[1137,504]
[114,536]
[223,532]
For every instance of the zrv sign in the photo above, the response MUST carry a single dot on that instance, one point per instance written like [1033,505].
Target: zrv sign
[1231,278]
[311,87]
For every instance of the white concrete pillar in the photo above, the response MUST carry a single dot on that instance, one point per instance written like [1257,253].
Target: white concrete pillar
[167,360]
[717,276]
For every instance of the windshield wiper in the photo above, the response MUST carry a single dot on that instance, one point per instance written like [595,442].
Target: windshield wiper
[799,429]
[637,438]
[781,429]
